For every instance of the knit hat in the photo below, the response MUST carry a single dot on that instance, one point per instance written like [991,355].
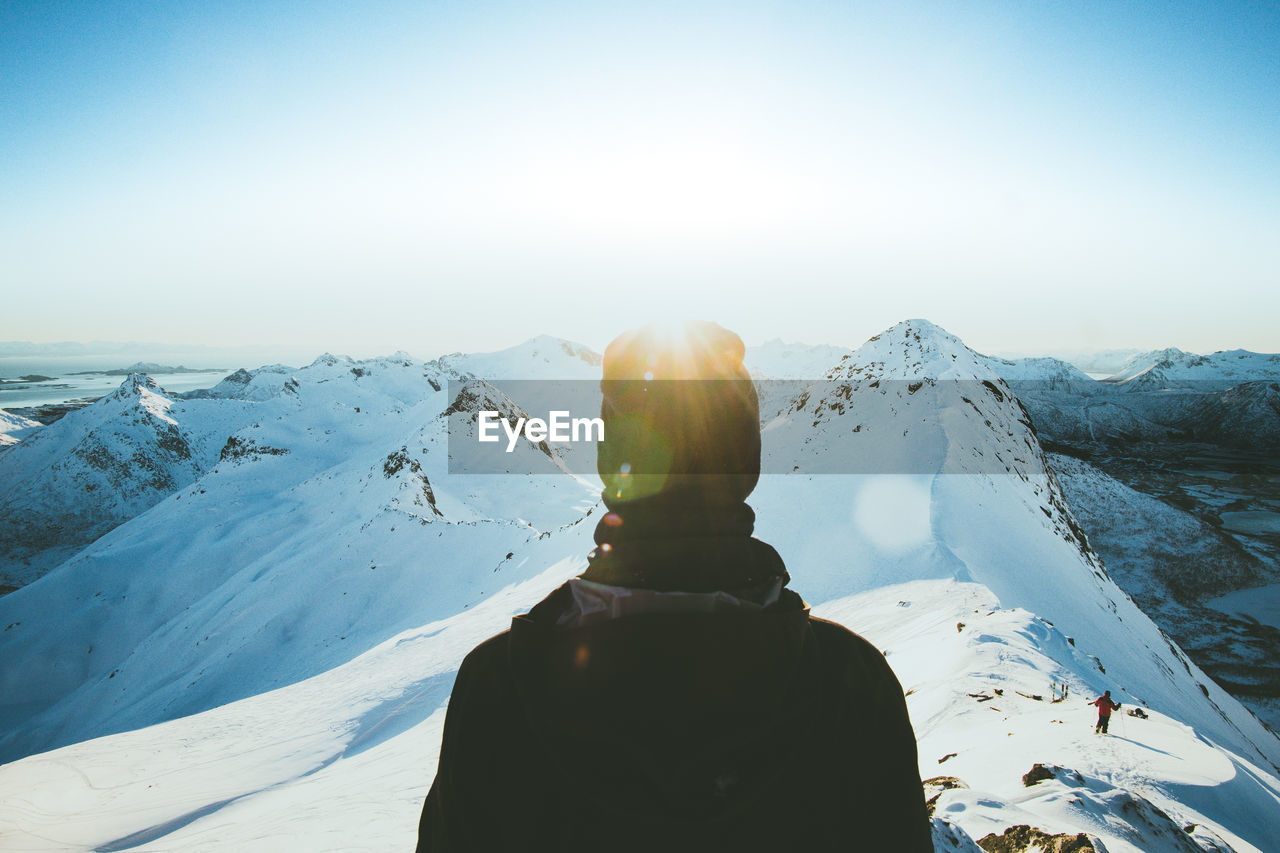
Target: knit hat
[680,455]
[680,413]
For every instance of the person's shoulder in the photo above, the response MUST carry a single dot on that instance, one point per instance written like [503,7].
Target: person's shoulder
[836,637]
[485,669]
[493,652]
[854,655]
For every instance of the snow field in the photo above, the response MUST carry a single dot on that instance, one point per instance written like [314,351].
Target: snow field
[1132,788]
[260,661]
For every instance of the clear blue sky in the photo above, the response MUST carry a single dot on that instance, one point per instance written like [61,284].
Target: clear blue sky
[366,177]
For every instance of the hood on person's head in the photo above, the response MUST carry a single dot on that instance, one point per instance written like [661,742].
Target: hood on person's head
[680,455]
[680,414]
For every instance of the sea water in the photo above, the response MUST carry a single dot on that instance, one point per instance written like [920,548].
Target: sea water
[83,377]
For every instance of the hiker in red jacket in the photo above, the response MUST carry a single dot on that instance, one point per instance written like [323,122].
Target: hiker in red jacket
[1105,707]
[678,696]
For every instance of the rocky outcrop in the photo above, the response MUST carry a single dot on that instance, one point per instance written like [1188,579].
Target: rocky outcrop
[1027,839]
[76,479]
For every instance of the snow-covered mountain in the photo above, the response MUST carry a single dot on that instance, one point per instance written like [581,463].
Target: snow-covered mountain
[1094,362]
[260,661]
[965,492]
[71,482]
[1173,564]
[777,359]
[1173,552]
[1245,415]
[102,465]
[543,357]
[1043,373]
[14,428]
[1173,368]
[262,383]
[271,568]
[1194,405]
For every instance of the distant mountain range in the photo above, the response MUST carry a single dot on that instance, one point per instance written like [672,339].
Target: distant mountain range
[259,593]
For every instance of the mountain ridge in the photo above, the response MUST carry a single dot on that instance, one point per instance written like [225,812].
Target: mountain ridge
[289,622]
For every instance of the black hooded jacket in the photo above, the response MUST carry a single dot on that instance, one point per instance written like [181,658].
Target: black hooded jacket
[771,730]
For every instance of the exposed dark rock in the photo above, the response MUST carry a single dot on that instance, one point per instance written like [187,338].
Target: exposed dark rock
[398,460]
[1024,839]
[237,449]
[47,413]
[933,788]
[430,496]
[1037,773]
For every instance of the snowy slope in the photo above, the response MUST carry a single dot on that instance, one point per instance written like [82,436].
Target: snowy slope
[14,428]
[260,661]
[979,676]
[1230,398]
[1174,564]
[262,383]
[327,524]
[543,357]
[1173,368]
[74,480]
[1155,550]
[965,494]
[1050,373]
[343,760]
[1094,362]
[102,465]
[1245,415]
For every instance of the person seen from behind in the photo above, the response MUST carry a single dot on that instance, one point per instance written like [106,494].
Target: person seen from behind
[678,695]
[1105,706]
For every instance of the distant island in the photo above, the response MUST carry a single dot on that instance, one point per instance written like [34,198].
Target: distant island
[146,367]
[30,377]
[47,413]
[150,369]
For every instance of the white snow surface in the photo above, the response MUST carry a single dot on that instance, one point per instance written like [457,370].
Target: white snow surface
[89,471]
[1259,603]
[1052,373]
[1174,368]
[1152,544]
[261,660]
[342,761]
[543,357]
[13,428]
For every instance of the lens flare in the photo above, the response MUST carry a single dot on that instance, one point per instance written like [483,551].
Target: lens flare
[893,512]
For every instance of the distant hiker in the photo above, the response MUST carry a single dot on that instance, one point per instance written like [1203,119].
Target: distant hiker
[1105,707]
[677,696]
